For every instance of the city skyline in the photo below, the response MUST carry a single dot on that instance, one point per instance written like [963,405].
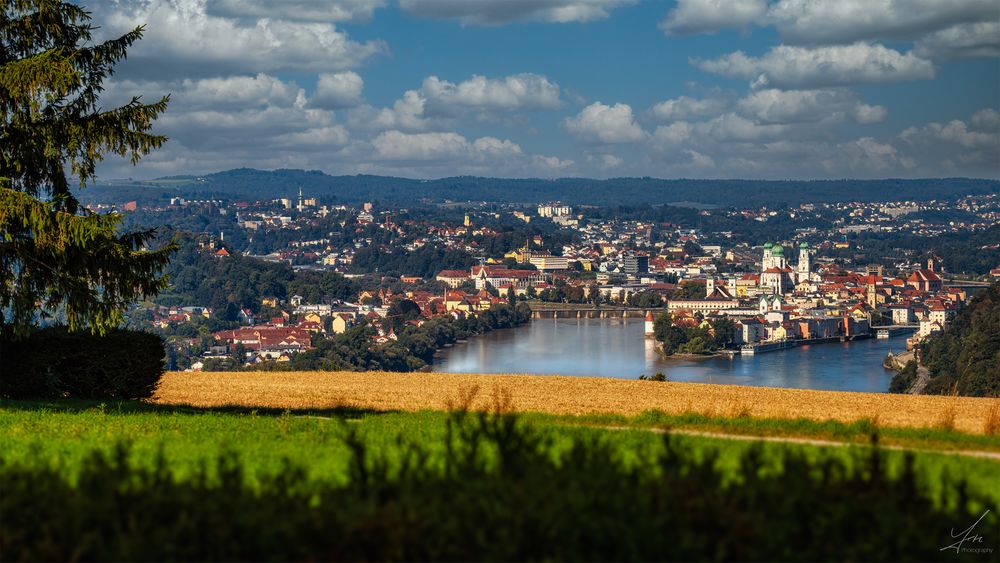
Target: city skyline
[557,88]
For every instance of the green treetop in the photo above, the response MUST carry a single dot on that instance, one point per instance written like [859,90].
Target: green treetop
[53,255]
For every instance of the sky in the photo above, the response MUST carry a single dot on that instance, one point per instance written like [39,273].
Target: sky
[558,88]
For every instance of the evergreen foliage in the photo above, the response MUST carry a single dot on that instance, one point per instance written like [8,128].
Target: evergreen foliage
[965,358]
[52,253]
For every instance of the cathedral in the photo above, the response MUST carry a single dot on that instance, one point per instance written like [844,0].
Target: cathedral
[777,276]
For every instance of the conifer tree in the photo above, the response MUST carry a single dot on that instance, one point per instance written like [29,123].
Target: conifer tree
[55,256]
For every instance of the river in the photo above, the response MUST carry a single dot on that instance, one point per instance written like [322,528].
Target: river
[618,348]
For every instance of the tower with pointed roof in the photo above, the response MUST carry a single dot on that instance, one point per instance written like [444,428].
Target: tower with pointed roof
[803,268]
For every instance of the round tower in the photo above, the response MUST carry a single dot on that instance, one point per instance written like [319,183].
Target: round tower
[649,324]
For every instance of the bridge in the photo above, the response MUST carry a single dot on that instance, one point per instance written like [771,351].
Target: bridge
[966,284]
[564,311]
[886,331]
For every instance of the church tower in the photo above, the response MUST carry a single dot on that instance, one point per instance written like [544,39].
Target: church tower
[804,268]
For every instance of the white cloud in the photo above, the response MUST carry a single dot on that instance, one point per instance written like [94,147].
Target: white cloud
[867,154]
[439,103]
[551,163]
[606,124]
[833,22]
[496,147]
[406,113]
[962,41]
[847,21]
[686,107]
[983,136]
[986,120]
[303,10]
[397,145]
[699,160]
[709,16]
[183,39]
[493,12]
[611,161]
[806,106]
[319,138]
[730,127]
[518,91]
[673,134]
[800,67]
[866,114]
[339,90]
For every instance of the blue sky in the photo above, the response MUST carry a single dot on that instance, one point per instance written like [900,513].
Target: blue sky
[547,88]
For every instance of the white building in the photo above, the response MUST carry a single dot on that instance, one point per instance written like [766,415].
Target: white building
[554,210]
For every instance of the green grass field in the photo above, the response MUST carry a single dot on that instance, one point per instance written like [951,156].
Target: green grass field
[60,435]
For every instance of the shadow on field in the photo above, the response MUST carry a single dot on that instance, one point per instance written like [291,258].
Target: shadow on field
[133,407]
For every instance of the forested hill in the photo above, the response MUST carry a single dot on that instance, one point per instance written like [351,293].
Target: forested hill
[247,183]
[966,357]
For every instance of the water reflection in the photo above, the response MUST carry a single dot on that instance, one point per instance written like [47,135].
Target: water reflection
[617,348]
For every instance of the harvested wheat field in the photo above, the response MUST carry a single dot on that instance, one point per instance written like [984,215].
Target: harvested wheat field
[564,395]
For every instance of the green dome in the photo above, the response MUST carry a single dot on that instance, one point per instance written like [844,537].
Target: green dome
[776,249]
[804,245]
[768,245]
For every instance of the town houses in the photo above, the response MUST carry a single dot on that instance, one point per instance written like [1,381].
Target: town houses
[461,262]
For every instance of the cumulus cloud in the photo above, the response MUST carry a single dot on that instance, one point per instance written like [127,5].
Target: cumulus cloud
[787,66]
[338,90]
[518,91]
[673,134]
[397,145]
[833,22]
[438,103]
[806,106]
[731,145]
[406,113]
[494,12]
[605,124]
[964,41]
[303,10]
[686,107]
[980,137]
[847,21]
[710,16]
[184,39]
[449,153]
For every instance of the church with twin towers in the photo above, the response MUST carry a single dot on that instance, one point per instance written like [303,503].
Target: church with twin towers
[777,275]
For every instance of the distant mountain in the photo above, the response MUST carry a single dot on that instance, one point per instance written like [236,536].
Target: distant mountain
[248,183]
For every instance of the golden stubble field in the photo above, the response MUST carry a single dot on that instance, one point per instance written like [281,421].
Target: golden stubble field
[563,395]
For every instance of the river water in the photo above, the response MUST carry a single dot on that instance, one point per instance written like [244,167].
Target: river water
[618,348]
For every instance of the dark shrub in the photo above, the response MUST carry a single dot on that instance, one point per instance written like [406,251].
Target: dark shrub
[53,362]
[498,494]
[904,380]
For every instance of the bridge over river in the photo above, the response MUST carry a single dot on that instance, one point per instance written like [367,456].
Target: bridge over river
[562,311]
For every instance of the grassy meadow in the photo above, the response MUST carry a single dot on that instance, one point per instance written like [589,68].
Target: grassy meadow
[61,435]
[465,474]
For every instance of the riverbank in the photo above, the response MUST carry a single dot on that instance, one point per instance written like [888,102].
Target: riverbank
[385,391]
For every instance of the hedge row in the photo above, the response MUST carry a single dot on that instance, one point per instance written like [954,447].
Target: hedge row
[53,362]
[499,495]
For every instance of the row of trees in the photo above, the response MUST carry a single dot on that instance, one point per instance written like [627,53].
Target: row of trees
[700,339]
[198,277]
